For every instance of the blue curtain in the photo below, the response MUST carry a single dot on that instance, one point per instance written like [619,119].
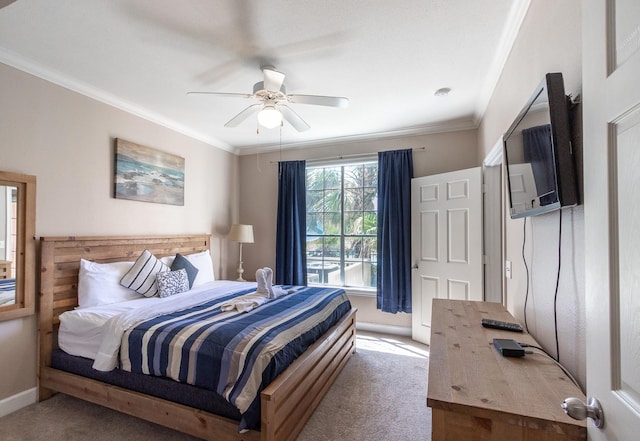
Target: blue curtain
[291,245]
[395,170]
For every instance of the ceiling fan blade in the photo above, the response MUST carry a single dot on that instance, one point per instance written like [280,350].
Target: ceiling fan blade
[293,118]
[273,79]
[223,94]
[331,101]
[246,113]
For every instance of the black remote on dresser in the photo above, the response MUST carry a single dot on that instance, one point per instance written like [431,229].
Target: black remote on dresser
[497,324]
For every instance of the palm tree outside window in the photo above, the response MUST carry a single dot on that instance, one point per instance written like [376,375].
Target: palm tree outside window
[341,235]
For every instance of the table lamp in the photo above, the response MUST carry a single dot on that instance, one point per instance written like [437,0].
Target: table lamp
[242,234]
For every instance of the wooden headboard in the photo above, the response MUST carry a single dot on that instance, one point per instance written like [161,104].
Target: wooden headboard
[60,264]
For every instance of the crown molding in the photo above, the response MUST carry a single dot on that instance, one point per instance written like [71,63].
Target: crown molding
[25,65]
[513,24]
[427,129]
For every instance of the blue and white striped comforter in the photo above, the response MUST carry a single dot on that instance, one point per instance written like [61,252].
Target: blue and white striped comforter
[234,354]
[7,291]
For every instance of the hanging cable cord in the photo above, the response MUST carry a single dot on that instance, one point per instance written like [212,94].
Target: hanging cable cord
[526,267]
[545,353]
[555,296]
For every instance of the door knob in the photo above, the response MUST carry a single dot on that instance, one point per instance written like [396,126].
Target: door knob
[414,267]
[576,409]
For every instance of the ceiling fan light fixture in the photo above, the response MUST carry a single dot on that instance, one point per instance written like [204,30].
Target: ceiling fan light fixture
[269,117]
[272,107]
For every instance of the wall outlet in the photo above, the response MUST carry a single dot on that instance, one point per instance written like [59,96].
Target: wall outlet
[507,269]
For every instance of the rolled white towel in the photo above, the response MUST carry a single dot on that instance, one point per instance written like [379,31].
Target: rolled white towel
[278,291]
[274,291]
[263,283]
[268,275]
[245,303]
[248,305]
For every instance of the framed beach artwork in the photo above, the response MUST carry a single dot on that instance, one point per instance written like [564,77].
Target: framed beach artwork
[148,175]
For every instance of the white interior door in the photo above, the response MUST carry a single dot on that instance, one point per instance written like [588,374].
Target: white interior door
[492,213]
[446,230]
[611,73]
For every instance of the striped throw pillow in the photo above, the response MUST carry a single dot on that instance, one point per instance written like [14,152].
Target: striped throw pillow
[142,276]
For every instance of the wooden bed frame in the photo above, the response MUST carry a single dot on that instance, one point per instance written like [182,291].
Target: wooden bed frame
[287,403]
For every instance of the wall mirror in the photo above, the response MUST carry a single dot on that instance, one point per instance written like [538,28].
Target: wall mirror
[17,245]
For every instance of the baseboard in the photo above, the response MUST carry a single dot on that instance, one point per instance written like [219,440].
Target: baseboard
[384,329]
[18,401]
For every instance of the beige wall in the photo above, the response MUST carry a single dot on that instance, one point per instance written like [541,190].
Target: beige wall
[549,41]
[66,140]
[443,152]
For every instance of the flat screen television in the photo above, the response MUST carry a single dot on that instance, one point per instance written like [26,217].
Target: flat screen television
[538,154]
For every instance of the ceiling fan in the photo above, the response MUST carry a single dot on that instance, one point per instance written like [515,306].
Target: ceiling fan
[273,102]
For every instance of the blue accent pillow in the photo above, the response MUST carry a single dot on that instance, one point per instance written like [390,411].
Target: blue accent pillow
[181,262]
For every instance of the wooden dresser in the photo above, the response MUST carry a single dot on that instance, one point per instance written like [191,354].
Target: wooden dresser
[477,394]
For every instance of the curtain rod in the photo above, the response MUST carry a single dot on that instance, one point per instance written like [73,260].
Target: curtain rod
[354,155]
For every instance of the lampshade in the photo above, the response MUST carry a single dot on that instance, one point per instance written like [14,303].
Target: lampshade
[269,117]
[241,233]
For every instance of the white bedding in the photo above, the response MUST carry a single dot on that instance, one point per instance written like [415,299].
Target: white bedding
[7,298]
[96,332]
[7,292]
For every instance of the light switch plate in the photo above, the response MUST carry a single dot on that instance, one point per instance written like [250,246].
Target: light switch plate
[507,269]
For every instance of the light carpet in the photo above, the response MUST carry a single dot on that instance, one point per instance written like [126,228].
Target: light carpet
[380,395]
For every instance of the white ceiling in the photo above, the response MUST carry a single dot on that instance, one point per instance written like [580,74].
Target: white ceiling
[387,57]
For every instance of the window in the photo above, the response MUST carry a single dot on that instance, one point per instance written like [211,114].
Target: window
[342,224]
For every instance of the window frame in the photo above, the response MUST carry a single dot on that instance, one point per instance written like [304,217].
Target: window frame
[342,236]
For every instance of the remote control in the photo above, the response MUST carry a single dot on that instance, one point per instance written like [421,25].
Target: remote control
[497,324]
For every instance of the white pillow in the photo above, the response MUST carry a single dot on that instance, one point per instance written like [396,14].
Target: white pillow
[141,277]
[99,283]
[168,260]
[203,262]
